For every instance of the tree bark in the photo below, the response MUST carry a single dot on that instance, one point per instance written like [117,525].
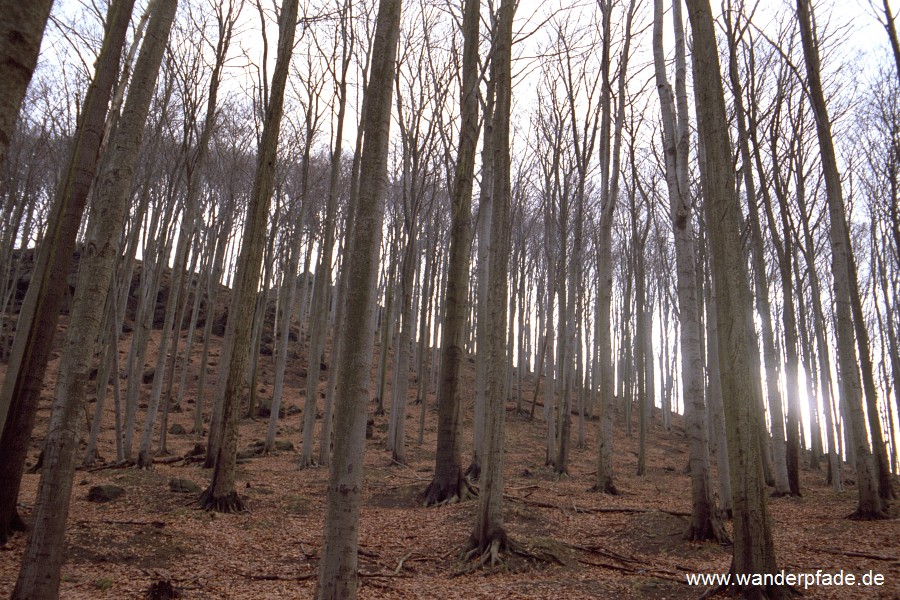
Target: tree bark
[21,32]
[705,523]
[449,484]
[338,578]
[221,495]
[488,535]
[753,549]
[39,313]
[45,551]
[844,273]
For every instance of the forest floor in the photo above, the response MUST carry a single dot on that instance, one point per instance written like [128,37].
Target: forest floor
[625,546]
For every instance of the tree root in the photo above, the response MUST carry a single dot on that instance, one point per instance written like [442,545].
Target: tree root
[441,493]
[608,488]
[712,530]
[307,464]
[229,503]
[493,554]
[859,515]
[485,554]
[144,461]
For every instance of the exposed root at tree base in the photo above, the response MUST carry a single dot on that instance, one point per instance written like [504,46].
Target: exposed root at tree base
[229,503]
[307,464]
[712,530]
[609,488]
[144,461]
[495,553]
[443,493]
[868,515]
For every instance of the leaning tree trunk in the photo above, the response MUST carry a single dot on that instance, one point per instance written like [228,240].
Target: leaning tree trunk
[338,579]
[843,270]
[21,31]
[221,494]
[39,312]
[753,550]
[45,551]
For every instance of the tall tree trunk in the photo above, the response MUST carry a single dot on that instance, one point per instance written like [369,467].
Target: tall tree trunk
[763,306]
[221,495]
[604,482]
[331,224]
[39,313]
[449,484]
[338,578]
[488,536]
[45,551]
[716,406]
[226,219]
[705,523]
[753,549]
[482,274]
[844,273]
[289,292]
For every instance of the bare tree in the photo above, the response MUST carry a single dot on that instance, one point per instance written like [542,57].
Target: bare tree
[337,570]
[848,313]
[754,550]
[449,484]
[488,537]
[221,495]
[44,553]
[39,313]
[705,523]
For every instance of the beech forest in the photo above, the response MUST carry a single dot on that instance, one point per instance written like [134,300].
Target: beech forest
[444,299]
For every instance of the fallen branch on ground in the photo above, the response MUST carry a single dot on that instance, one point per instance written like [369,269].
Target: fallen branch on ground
[857,554]
[608,509]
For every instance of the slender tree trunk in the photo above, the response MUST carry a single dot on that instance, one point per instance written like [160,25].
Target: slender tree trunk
[39,313]
[844,272]
[705,523]
[44,554]
[485,215]
[716,406]
[449,484]
[489,535]
[221,495]
[783,478]
[289,290]
[225,218]
[753,547]
[338,579]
